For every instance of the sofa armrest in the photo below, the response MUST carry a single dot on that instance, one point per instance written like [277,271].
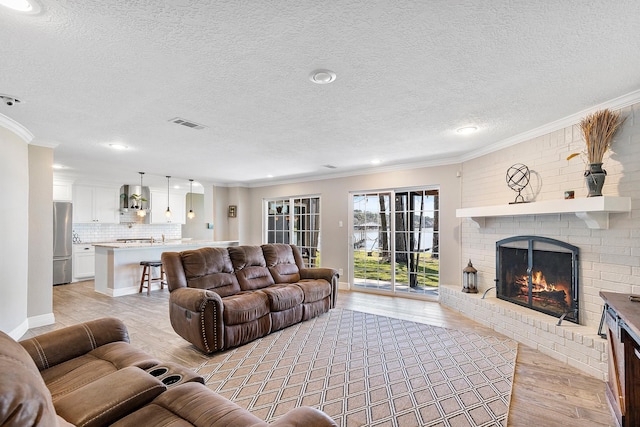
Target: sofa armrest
[194,299]
[304,416]
[196,315]
[329,274]
[64,344]
[109,398]
[191,404]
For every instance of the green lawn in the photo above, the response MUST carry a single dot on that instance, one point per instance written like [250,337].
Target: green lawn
[376,268]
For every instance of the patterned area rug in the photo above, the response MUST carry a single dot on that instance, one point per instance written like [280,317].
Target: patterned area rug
[364,369]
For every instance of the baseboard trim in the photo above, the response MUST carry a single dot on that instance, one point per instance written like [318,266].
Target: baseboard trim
[131,290]
[19,331]
[41,320]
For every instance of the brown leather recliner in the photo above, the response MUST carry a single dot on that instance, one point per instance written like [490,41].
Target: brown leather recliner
[225,297]
[88,375]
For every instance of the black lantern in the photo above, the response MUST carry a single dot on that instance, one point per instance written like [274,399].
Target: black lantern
[470,279]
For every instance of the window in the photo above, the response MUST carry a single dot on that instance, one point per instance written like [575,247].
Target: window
[295,220]
[396,241]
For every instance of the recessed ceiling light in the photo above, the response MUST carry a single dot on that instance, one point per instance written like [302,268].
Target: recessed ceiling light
[58,166]
[116,146]
[376,161]
[21,5]
[466,130]
[322,77]
[269,176]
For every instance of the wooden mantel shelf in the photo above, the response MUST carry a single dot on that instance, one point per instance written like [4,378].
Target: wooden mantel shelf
[594,211]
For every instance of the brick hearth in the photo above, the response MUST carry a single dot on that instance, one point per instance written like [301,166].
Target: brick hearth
[577,345]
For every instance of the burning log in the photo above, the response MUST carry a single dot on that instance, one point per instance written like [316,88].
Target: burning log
[553,297]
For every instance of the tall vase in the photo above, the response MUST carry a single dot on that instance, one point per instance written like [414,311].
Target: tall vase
[594,177]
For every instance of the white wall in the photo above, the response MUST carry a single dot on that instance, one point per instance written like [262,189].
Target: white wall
[609,259]
[220,222]
[40,276]
[334,207]
[196,228]
[239,227]
[14,232]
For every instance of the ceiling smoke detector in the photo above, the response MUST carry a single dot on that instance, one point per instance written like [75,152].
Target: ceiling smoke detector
[322,77]
[9,100]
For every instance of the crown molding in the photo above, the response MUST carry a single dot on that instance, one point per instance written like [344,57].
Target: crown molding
[613,104]
[571,120]
[355,172]
[45,143]
[16,128]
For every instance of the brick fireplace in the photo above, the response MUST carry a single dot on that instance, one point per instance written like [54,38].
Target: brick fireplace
[607,238]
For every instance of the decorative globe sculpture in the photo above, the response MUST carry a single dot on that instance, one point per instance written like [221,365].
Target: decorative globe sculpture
[517,179]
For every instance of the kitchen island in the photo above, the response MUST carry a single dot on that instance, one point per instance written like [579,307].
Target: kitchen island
[118,269]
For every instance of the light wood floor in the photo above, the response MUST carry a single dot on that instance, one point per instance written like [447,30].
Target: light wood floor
[545,393]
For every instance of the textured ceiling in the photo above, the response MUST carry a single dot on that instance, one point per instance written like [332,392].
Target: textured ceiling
[408,74]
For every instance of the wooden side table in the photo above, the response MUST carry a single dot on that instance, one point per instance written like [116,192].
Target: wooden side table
[622,317]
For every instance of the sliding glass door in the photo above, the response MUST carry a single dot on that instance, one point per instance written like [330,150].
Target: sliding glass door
[395,241]
[372,241]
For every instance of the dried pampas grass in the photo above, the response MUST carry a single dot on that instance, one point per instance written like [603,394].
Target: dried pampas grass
[598,130]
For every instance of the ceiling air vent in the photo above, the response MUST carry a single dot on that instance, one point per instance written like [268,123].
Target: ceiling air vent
[187,123]
[329,166]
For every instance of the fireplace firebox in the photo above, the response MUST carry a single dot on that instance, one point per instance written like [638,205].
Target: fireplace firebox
[539,273]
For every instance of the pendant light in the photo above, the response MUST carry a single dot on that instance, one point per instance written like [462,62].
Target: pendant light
[191,213]
[167,213]
[141,212]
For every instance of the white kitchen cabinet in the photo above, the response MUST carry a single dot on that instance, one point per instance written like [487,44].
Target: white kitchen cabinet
[95,204]
[62,191]
[84,262]
[159,207]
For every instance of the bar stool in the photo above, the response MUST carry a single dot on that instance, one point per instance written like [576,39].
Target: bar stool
[147,275]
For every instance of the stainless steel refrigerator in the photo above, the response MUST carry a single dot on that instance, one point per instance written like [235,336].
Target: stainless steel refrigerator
[62,235]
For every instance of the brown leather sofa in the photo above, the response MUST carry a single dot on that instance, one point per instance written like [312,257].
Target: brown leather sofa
[88,375]
[225,297]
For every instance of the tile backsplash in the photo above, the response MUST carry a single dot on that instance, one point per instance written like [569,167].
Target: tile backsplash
[93,233]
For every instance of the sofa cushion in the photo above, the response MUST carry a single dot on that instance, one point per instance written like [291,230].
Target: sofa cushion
[235,335]
[246,256]
[25,399]
[68,376]
[285,318]
[315,309]
[283,297]
[245,307]
[250,267]
[210,268]
[109,398]
[46,349]
[281,262]
[314,289]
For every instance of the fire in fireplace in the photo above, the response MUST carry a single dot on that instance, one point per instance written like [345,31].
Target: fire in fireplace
[539,273]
